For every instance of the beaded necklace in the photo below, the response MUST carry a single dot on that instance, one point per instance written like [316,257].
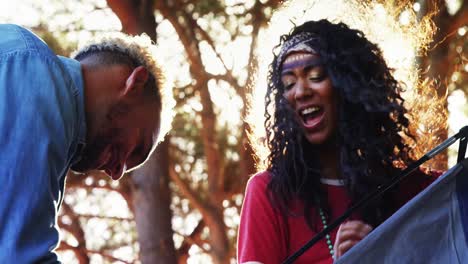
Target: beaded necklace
[329,243]
[333,182]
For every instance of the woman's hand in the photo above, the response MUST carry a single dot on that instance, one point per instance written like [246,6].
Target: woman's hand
[348,235]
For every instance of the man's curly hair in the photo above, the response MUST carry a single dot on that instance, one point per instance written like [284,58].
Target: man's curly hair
[370,132]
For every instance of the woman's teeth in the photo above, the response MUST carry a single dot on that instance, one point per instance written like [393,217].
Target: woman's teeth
[310,110]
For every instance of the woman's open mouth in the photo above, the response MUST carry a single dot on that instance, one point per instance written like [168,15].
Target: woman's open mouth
[311,117]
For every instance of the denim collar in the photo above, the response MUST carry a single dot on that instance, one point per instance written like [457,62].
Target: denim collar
[73,67]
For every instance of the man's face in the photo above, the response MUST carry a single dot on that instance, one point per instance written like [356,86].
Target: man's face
[124,141]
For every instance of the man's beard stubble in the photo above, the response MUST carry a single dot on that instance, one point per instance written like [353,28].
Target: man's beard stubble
[91,154]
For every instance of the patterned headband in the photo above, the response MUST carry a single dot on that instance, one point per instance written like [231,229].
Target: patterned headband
[299,42]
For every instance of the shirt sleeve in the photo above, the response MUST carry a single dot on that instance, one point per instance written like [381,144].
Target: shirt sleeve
[262,230]
[35,140]
[414,184]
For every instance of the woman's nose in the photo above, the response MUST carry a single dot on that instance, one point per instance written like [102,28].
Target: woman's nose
[301,90]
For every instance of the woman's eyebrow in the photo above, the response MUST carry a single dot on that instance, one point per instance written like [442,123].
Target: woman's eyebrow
[307,63]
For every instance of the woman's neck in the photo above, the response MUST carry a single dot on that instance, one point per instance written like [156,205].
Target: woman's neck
[329,162]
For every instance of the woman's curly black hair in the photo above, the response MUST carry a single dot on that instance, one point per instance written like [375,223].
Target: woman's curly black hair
[370,131]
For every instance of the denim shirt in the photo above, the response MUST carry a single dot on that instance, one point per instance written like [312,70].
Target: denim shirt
[42,126]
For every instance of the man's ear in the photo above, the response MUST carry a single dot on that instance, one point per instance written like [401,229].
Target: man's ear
[136,81]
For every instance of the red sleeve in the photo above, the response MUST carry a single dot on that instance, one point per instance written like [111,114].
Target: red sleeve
[414,184]
[262,234]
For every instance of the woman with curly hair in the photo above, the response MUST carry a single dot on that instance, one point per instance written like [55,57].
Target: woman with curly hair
[336,129]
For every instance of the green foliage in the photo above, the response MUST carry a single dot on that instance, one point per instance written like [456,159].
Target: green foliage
[57,42]
[204,7]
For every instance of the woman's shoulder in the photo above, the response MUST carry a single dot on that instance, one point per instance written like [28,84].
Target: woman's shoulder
[414,183]
[424,176]
[257,199]
[429,172]
[259,181]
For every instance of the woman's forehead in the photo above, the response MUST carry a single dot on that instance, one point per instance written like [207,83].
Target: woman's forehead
[300,59]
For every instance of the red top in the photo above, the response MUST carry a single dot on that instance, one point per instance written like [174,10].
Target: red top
[266,236]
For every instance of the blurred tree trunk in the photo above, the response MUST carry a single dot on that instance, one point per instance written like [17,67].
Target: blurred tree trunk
[136,16]
[151,200]
[151,193]
[222,183]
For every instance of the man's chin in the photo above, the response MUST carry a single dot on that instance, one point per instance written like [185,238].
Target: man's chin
[116,174]
[85,166]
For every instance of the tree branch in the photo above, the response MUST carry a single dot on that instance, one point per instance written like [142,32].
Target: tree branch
[212,45]
[186,191]
[65,246]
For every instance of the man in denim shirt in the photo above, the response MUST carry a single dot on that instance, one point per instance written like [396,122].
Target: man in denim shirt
[99,111]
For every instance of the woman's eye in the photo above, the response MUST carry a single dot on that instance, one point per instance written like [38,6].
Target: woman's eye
[288,84]
[316,76]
